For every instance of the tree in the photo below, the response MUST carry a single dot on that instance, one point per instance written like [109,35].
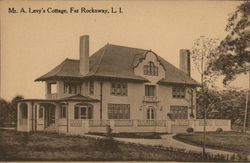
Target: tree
[234,51]
[225,104]
[4,105]
[8,111]
[13,109]
[204,52]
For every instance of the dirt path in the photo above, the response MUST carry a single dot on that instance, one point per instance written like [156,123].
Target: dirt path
[168,141]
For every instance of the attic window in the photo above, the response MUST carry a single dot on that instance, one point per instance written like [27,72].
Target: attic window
[150,69]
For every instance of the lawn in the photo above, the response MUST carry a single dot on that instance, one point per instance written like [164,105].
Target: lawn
[17,146]
[229,141]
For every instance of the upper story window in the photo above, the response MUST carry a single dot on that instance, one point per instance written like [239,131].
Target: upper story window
[149,90]
[178,92]
[52,88]
[119,89]
[150,69]
[91,88]
[70,88]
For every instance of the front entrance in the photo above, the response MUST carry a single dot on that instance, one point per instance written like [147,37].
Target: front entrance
[49,117]
[83,111]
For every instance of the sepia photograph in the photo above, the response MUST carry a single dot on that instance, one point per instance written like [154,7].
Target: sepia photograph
[125,81]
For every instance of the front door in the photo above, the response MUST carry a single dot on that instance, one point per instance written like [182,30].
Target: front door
[84,112]
[52,113]
[151,113]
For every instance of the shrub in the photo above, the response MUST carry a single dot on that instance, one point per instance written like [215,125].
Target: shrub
[219,130]
[107,144]
[190,130]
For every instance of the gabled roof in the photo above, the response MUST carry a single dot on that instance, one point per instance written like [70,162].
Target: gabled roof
[114,61]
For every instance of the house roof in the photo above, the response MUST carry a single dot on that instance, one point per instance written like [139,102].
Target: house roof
[114,61]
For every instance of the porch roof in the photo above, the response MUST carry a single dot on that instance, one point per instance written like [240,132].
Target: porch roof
[70,98]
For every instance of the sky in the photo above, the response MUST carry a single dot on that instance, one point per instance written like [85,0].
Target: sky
[32,44]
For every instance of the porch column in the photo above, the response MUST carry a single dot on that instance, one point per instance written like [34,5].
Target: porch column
[18,116]
[29,118]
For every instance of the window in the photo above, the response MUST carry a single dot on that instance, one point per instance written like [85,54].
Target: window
[83,112]
[51,88]
[150,113]
[118,111]
[149,90]
[179,112]
[40,112]
[91,88]
[178,92]
[151,69]
[119,89]
[70,88]
[63,111]
[24,110]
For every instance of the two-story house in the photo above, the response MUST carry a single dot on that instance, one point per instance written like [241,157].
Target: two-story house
[130,89]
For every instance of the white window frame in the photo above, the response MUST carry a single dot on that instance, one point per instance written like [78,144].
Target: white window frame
[151,113]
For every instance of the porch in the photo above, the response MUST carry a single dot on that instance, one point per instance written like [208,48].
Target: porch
[79,117]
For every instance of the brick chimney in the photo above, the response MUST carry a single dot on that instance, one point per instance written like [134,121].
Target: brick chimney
[185,61]
[84,55]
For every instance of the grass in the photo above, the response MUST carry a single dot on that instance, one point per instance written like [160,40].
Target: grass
[132,135]
[229,141]
[18,146]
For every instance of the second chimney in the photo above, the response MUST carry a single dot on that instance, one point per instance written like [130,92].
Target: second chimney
[185,61]
[84,54]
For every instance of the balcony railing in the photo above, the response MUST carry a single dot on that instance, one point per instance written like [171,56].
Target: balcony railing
[150,99]
[52,96]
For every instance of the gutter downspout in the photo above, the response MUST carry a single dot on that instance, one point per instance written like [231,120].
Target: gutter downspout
[67,129]
[101,85]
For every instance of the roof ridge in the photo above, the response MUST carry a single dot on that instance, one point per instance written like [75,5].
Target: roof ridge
[127,47]
[72,59]
[63,64]
[100,61]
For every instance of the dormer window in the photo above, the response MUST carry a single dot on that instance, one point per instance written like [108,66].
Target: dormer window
[150,69]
